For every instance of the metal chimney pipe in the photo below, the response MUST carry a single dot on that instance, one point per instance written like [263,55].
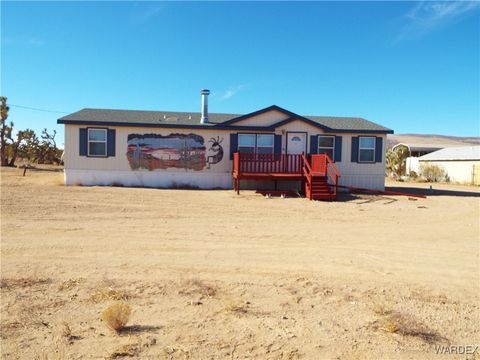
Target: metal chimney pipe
[204,118]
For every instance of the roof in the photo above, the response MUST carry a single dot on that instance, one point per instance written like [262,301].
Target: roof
[422,147]
[453,153]
[110,117]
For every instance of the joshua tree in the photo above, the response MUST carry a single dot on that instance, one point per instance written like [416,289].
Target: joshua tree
[396,161]
[4,131]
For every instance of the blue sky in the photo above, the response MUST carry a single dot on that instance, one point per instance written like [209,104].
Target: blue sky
[410,66]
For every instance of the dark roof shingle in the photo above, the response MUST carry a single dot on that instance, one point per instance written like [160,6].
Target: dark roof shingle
[192,119]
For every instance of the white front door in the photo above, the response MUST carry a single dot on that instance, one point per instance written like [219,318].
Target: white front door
[296,143]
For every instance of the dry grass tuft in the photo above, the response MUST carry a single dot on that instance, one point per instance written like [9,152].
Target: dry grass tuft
[129,350]
[69,284]
[7,284]
[196,286]
[116,316]
[10,329]
[109,293]
[382,309]
[63,334]
[394,322]
[64,330]
[238,306]
[132,350]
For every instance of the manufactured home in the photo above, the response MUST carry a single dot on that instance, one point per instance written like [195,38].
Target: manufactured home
[265,148]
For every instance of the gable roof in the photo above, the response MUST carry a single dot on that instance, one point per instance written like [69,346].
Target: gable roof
[453,153]
[172,119]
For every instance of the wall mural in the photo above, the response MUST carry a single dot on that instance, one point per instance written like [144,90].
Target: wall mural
[181,151]
[217,149]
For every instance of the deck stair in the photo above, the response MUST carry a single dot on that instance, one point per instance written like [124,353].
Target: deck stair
[321,177]
[317,173]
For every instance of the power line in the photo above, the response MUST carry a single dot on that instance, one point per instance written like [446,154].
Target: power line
[37,109]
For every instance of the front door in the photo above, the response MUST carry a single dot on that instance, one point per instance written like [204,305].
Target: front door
[296,143]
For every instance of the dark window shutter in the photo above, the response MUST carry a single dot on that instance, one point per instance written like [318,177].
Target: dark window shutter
[83,142]
[338,148]
[233,144]
[111,142]
[355,144]
[378,149]
[313,144]
[278,144]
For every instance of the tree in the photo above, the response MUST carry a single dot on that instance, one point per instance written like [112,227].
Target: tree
[4,130]
[13,148]
[396,161]
[26,147]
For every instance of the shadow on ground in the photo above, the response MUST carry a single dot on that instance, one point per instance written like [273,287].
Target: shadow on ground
[434,192]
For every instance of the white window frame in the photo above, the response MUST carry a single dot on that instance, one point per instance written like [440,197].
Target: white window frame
[255,147]
[272,147]
[97,141]
[326,148]
[254,143]
[367,148]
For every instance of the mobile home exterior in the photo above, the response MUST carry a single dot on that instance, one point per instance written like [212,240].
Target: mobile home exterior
[180,149]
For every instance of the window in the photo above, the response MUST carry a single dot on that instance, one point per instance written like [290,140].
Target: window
[97,142]
[246,143]
[326,145]
[264,144]
[366,149]
[256,143]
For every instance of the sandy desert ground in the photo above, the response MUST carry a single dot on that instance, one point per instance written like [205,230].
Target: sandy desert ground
[212,275]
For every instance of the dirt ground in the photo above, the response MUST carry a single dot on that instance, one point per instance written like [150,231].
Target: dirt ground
[212,275]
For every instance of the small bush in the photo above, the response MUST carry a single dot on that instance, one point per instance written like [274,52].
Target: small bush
[196,286]
[433,173]
[109,293]
[116,316]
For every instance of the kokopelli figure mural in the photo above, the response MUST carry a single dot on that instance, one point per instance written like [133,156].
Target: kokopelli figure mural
[217,149]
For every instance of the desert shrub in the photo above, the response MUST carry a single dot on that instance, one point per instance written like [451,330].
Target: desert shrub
[197,286]
[236,307]
[413,174]
[108,293]
[116,316]
[433,173]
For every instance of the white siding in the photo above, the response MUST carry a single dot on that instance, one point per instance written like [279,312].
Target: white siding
[116,170]
[264,119]
[460,171]
[82,170]
[354,174]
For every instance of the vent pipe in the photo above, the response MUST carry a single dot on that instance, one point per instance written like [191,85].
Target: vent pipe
[204,118]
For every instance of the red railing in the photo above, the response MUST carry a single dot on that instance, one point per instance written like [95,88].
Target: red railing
[332,173]
[267,163]
[321,165]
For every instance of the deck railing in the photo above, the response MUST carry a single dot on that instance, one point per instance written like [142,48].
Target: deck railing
[267,163]
[321,165]
[332,173]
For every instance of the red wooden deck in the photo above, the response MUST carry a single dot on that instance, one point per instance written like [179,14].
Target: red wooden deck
[318,174]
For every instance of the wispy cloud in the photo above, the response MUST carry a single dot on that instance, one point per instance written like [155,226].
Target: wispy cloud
[231,92]
[145,11]
[428,16]
[24,41]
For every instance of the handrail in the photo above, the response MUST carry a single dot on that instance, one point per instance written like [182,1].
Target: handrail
[236,163]
[335,175]
[306,164]
[334,168]
[267,163]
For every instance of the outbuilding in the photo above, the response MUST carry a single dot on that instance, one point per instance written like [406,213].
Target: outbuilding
[462,164]
[182,149]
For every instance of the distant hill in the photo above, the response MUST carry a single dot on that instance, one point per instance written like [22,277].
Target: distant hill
[433,140]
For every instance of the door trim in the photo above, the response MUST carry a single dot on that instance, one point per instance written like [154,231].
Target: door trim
[296,132]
